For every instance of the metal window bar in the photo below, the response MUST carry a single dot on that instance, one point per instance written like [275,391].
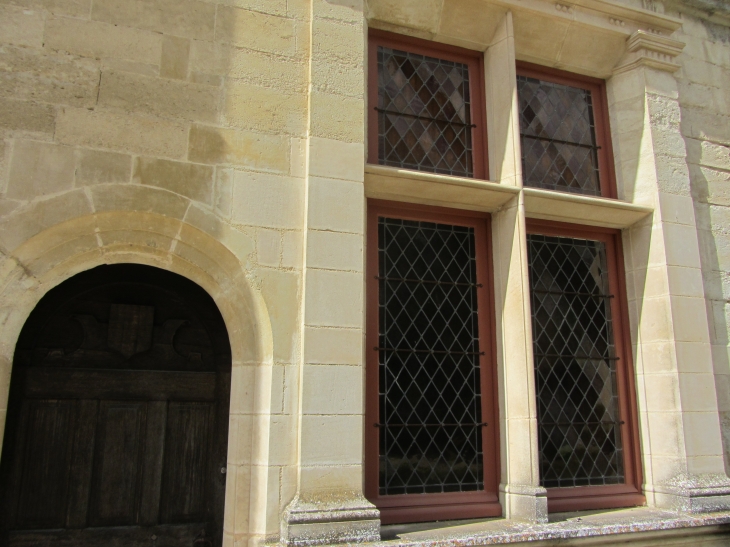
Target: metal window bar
[482,424]
[429,281]
[560,141]
[424,118]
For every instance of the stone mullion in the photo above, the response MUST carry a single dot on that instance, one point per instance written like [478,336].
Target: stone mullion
[521,495]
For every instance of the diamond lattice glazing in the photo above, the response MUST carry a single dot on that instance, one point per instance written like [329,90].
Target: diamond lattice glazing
[575,364]
[558,137]
[424,119]
[430,401]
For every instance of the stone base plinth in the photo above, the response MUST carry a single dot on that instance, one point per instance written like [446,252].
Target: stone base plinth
[332,519]
[693,494]
[524,503]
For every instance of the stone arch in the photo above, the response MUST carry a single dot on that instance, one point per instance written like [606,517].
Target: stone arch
[57,253]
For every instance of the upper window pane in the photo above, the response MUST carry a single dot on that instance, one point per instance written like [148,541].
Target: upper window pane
[424,115]
[558,136]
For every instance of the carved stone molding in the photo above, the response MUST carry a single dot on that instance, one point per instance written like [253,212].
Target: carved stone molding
[652,50]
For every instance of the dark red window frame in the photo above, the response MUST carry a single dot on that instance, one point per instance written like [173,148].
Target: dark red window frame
[475,62]
[441,506]
[597,87]
[620,495]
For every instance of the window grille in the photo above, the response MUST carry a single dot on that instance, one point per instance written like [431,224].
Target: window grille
[424,113]
[558,136]
[430,421]
[579,431]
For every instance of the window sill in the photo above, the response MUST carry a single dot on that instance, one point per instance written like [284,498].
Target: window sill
[562,526]
[579,209]
[394,184]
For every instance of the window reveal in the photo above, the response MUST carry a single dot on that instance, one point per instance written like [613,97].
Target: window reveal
[558,136]
[429,394]
[579,431]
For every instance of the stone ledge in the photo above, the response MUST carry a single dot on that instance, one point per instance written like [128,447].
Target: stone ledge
[581,209]
[433,189]
[642,521]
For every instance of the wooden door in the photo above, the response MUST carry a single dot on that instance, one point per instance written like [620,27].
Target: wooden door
[118,415]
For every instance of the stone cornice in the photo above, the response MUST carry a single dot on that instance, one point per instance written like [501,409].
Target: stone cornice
[652,50]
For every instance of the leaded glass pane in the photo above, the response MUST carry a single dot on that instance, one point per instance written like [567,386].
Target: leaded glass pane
[575,363]
[557,130]
[424,119]
[430,398]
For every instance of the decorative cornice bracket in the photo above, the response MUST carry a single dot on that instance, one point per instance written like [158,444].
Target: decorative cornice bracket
[652,50]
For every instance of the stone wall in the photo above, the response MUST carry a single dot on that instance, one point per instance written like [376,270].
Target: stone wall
[704,80]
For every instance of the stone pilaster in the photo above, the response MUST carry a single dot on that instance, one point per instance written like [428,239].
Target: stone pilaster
[680,427]
[329,506]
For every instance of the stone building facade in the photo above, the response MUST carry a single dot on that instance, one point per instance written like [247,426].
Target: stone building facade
[227,141]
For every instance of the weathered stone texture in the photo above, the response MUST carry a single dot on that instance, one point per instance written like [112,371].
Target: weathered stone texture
[187,179]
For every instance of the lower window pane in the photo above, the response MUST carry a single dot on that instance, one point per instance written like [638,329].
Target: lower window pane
[575,363]
[429,386]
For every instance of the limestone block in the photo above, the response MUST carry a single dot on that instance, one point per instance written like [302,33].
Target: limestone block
[21,27]
[291,250]
[185,18]
[333,299]
[27,116]
[342,44]
[264,109]
[281,294]
[533,42]
[341,477]
[337,117]
[665,431]
[685,281]
[39,215]
[416,14]
[655,324]
[40,169]
[662,392]
[656,358]
[331,440]
[223,191]
[332,389]
[271,7]
[677,209]
[298,162]
[238,243]
[335,251]
[266,70]
[268,247]
[168,98]
[336,159]
[470,20]
[283,451]
[73,8]
[698,392]
[209,57]
[718,184]
[708,154]
[120,65]
[588,49]
[333,346]
[273,34]
[175,56]
[348,11]
[700,432]
[53,78]
[127,132]
[98,167]
[102,40]
[338,79]
[681,244]
[689,317]
[187,179]
[258,151]
[267,200]
[347,216]
[707,125]
[129,197]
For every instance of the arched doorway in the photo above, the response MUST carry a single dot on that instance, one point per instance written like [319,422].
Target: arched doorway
[117,421]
